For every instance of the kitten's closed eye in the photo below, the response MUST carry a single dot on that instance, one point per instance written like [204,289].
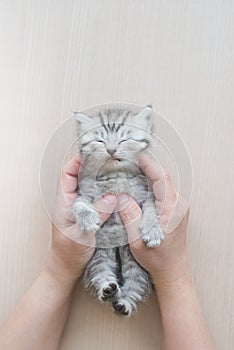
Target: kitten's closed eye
[124,140]
[135,140]
[100,141]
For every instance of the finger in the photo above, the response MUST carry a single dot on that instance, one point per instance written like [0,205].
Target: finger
[155,173]
[69,175]
[170,190]
[105,206]
[163,187]
[130,214]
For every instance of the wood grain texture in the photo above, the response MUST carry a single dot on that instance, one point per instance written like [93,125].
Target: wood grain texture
[65,55]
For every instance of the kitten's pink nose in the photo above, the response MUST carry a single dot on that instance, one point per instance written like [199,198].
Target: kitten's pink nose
[111,151]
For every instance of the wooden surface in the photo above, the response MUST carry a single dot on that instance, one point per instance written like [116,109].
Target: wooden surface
[64,55]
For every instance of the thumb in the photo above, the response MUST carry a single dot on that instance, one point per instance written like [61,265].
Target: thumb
[130,214]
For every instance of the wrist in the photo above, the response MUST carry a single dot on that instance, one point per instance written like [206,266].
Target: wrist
[51,288]
[173,276]
[62,277]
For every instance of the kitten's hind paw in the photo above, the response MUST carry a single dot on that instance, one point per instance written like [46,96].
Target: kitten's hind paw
[123,307]
[109,291]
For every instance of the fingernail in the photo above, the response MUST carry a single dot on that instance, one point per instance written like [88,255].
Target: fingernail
[123,198]
[109,198]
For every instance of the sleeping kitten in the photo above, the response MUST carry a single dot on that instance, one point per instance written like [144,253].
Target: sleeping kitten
[110,143]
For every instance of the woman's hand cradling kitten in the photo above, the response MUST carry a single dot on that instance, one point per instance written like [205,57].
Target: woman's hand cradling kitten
[167,262]
[72,249]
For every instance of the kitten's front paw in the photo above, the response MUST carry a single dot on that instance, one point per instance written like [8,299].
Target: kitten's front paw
[152,234]
[123,307]
[87,217]
[109,291]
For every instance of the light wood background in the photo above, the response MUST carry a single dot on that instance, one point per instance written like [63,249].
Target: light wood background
[64,55]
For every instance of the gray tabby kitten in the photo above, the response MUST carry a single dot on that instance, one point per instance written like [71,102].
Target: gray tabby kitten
[110,143]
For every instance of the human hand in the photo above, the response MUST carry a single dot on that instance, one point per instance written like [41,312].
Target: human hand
[71,248]
[169,260]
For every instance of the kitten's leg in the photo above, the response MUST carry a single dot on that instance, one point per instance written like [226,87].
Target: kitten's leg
[100,275]
[87,217]
[136,284]
[151,231]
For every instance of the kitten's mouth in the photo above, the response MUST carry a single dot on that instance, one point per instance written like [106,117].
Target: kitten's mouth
[114,159]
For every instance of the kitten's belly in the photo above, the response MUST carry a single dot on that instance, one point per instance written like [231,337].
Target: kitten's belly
[136,186]
[112,233]
[117,186]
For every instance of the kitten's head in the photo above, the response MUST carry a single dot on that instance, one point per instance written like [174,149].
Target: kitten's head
[114,137]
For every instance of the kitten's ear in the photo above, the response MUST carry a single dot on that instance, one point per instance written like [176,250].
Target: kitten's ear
[85,122]
[82,117]
[145,118]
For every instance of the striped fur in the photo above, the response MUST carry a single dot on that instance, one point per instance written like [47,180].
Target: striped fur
[110,143]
